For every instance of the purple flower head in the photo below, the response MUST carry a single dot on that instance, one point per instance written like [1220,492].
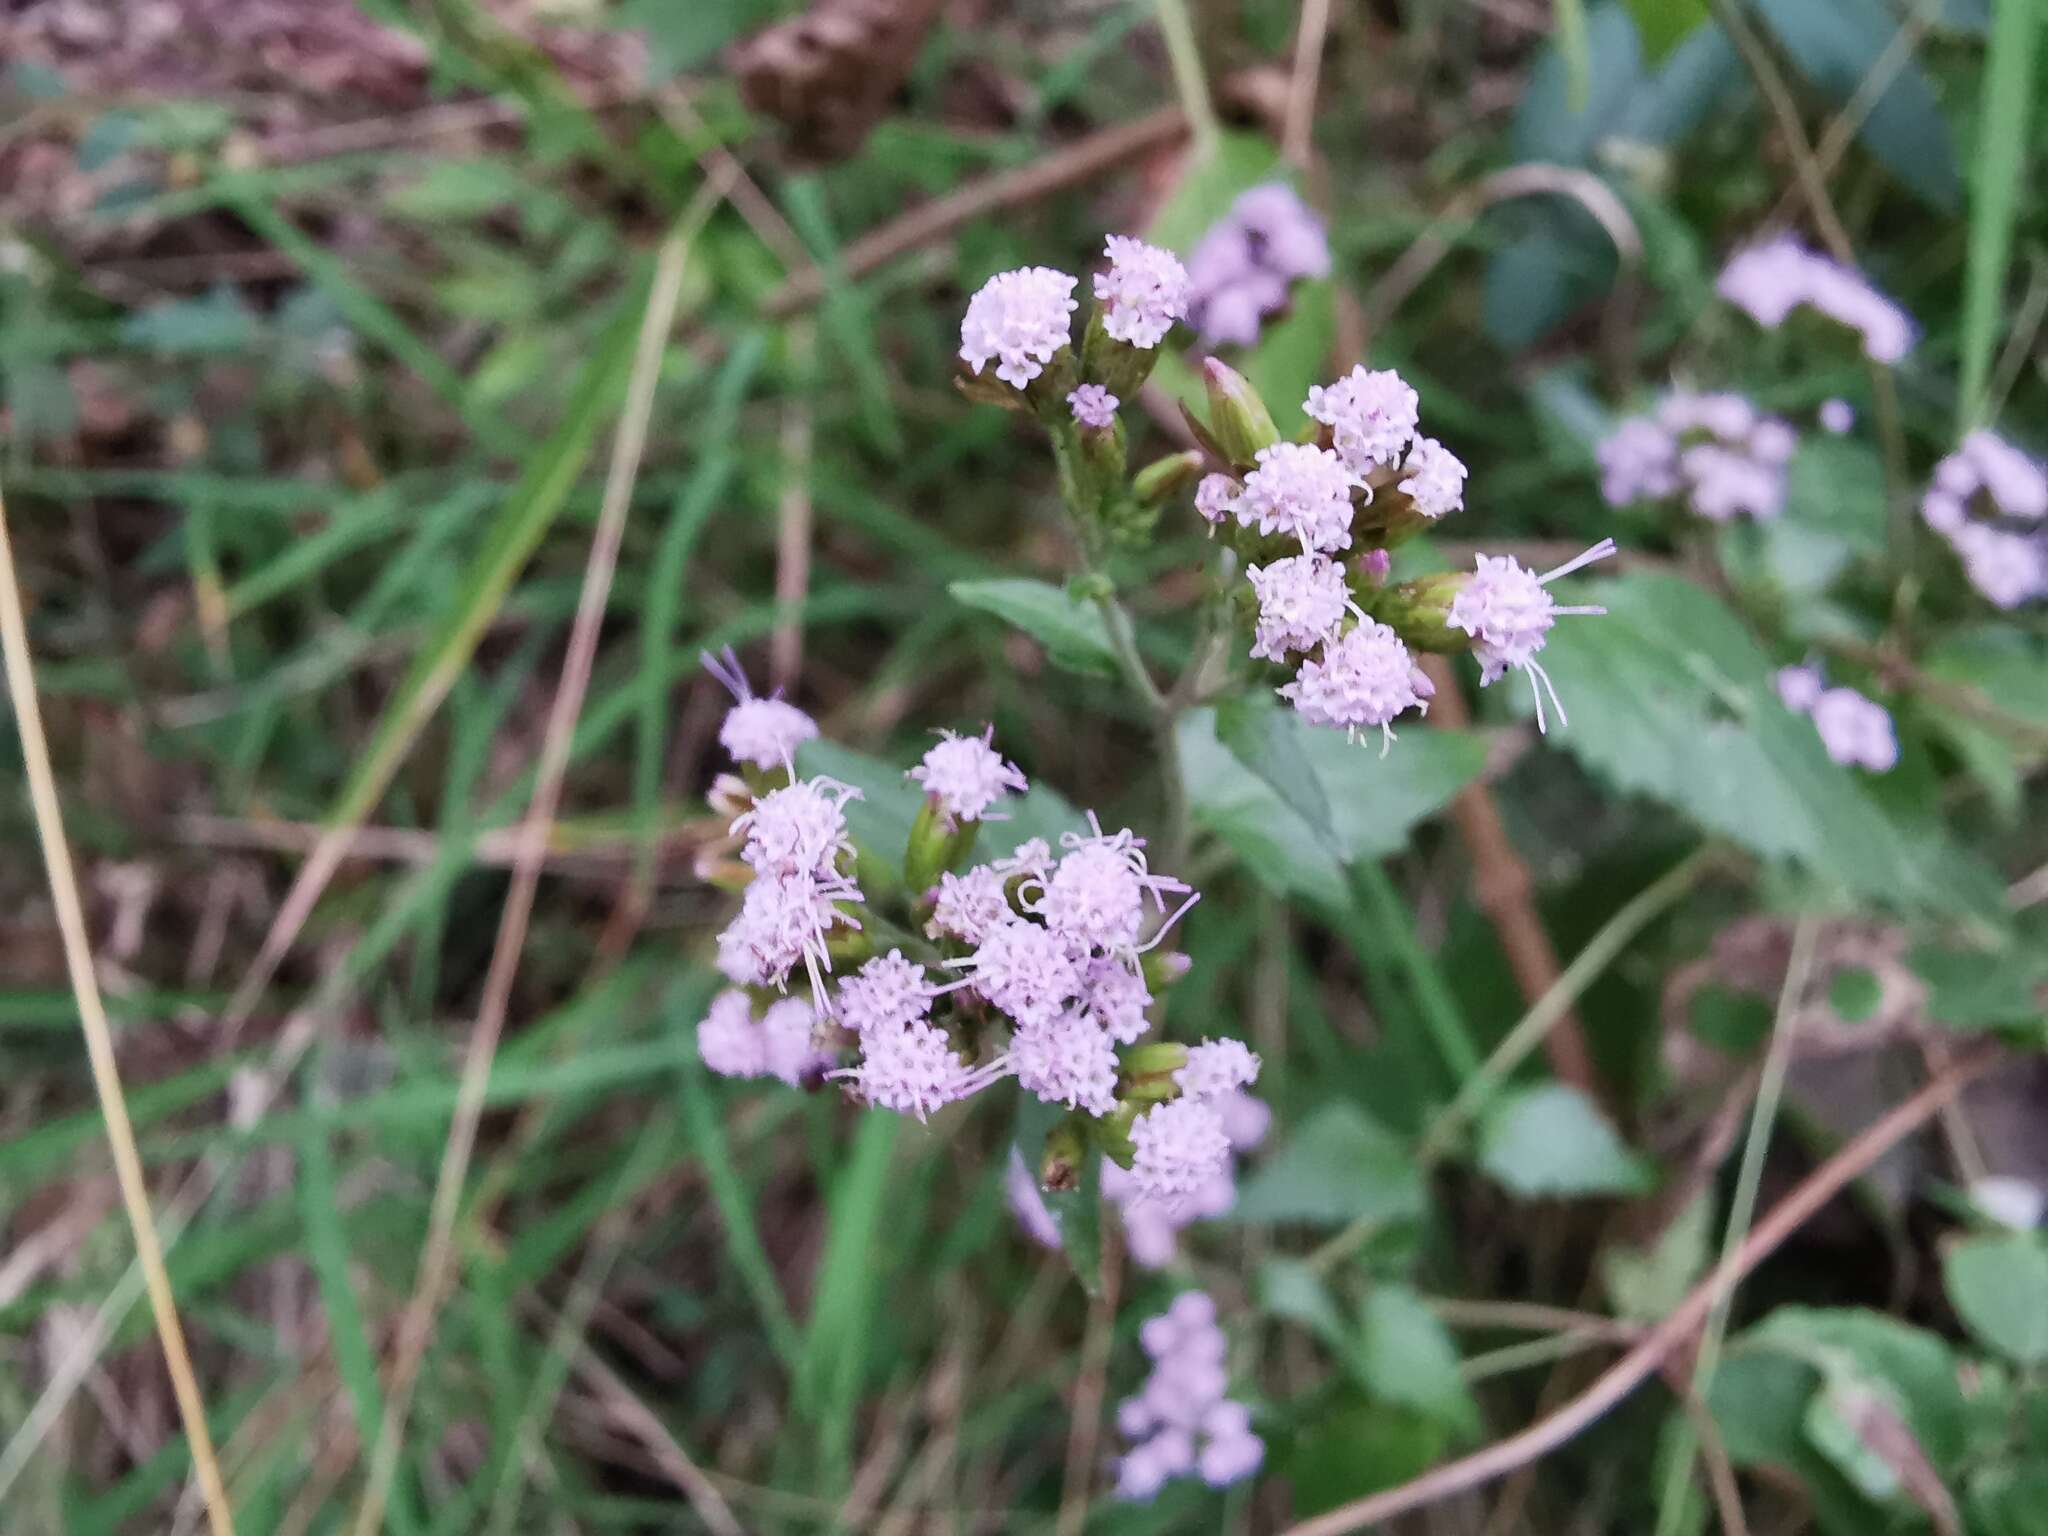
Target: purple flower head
[2016,484]
[1018,320]
[798,829]
[968,905]
[1178,1146]
[1363,679]
[1216,1069]
[2008,568]
[1508,611]
[1216,498]
[789,1048]
[1241,268]
[1856,731]
[1433,478]
[1144,291]
[784,921]
[727,1041]
[887,992]
[1093,406]
[1638,462]
[1302,492]
[1025,970]
[1800,687]
[913,1070]
[1837,416]
[1066,1059]
[1302,602]
[1285,235]
[762,733]
[1181,1421]
[1771,280]
[966,776]
[1095,895]
[1115,996]
[1371,417]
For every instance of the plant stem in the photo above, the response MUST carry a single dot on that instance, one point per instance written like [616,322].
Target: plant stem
[1188,77]
[99,1039]
[1671,1503]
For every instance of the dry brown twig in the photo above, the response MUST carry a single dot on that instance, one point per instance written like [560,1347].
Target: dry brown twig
[1847,1164]
[99,1039]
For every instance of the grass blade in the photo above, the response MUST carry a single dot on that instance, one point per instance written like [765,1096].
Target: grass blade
[1998,164]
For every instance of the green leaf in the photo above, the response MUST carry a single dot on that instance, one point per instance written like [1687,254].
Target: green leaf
[1646,1283]
[1984,989]
[1359,1448]
[1663,22]
[1998,165]
[1249,726]
[1551,1140]
[2008,669]
[1237,162]
[1290,1290]
[1918,1367]
[1998,1285]
[1406,1356]
[1340,1166]
[1671,697]
[1374,801]
[1550,125]
[1837,45]
[1072,631]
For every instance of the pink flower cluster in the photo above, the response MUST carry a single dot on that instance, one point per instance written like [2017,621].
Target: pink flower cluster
[1183,1420]
[1242,268]
[1856,731]
[1718,451]
[1021,320]
[1050,945]
[1989,500]
[1357,673]
[1772,279]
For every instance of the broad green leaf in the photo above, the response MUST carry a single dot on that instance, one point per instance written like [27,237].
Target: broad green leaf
[1917,1366]
[1998,1284]
[1663,22]
[1072,631]
[1289,1289]
[2007,669]
[1356,1449]
[1671,698]
[2007,1500]
[1373,800]
[1696,78]
[1985,989]
[1838,45]
[1250,727]
[1550,125]
[1406,1356]
[1551,1140]
[1340,1166]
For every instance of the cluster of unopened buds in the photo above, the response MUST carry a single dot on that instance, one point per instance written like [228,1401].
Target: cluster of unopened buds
[1990,501]
[1035,965]
[1312,521]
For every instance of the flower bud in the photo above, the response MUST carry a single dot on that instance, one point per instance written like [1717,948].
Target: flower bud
[1163,479]
[1116,365]
[731,796]
[987,389]
[1419,611]
[1148,1070]
[1066,1155]
[849,947]
[1238,419]
[937,843]
[1162,968]
[1113,1134]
